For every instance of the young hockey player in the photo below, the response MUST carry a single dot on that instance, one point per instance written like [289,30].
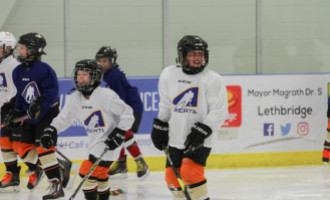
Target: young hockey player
[37,98]
[117,81]
[193,105]
[7,92]
[106,119]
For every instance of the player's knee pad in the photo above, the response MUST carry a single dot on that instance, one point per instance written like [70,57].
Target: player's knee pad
[30,156]
[102,186]
[191,172]
[9,156]
[48,159]
[6,143]
[198,191]
[177,194]
[89,187]
[24,148]
[327,138]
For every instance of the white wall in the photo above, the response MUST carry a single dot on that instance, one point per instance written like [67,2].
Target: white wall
[295,34]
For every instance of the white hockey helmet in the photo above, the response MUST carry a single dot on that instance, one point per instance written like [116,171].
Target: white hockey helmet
[7,39]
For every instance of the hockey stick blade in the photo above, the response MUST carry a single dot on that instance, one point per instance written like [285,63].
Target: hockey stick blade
[116,192]
[62,155]
[18,119]
[89,173]
[178,177]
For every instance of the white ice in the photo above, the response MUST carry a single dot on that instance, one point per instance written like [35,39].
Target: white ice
[285,183]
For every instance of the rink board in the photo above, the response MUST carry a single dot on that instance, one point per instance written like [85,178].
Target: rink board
[273,120]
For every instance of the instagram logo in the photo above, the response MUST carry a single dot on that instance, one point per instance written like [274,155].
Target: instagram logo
[302,128]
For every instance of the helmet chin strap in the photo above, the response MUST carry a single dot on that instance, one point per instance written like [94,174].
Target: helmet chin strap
[192,70]
[28,60]
[187,69]
[87,90]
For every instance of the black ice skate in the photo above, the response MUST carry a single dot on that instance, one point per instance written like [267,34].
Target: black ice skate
[55,190]
[142,168]
[34,177]
[118,169]
[10,182]
[65,169]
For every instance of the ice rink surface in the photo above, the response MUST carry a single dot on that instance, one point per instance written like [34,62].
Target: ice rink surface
[285,183]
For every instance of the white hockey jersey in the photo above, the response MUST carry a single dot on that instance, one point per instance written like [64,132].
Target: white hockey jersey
[100,114]
[7,87]
[187,99]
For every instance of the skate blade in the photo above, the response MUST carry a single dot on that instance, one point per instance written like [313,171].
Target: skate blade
[118,176]
[74,170]
[10,189]
[61,198]
[145,176]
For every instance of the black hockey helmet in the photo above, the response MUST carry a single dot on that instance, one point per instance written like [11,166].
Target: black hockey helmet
[35,44]
[109,53]
[190,43]
[95,72]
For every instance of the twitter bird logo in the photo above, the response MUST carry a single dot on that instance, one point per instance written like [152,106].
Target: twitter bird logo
[286,129]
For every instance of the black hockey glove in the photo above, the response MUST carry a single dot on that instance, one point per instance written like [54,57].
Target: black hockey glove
[195,139]
[11,115]
[48,138]
[115,139]
[159,134]
[5,109]
[35,108]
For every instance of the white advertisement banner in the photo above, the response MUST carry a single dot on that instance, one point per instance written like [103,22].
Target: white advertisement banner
[279,113]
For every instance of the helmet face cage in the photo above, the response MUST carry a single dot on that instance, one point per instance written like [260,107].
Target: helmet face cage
[35,44]
[191,43]
[109,53]
[95,73]
[7,39]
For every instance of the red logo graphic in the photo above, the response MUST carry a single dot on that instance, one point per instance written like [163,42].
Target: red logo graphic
[303,128]
[234,118]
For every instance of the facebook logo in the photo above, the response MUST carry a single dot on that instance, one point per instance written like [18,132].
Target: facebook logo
[268,129]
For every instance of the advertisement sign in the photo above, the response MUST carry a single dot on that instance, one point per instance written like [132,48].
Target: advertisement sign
[280,113]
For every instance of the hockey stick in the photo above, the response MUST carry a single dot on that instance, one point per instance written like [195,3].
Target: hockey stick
[18,119]
[67,166]
[89,173]
[178,177]
[63,156]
